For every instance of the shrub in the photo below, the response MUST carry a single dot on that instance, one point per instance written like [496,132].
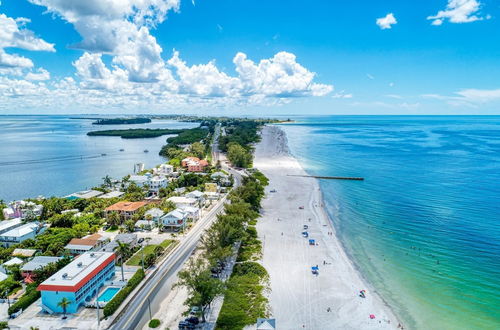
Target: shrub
[114,303]
[154,323]
[26,299]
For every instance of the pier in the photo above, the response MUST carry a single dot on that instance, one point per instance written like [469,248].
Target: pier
[330,177]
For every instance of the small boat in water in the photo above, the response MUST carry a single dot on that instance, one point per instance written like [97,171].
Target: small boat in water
[103,154]
[146,150]
[122,149]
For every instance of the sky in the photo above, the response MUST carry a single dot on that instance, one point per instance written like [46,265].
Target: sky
[266,57]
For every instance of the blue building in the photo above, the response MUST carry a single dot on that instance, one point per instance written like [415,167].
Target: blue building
[79,281]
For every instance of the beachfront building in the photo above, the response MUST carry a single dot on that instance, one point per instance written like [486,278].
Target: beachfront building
[174,220]
[78,282]
[28,269]
[22,210]
[112,194]
[86,244]
[139,180]
[126,210]
[194,164]
[154,214]
[21,233]
[156,183]
[85,194]
[181,201]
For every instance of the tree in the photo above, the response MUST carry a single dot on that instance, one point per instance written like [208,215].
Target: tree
[107,182]
[238,155]
[202,287]
[130,225]
[149,260]
[113,218]
[197,149]
[64,303]
[122,250]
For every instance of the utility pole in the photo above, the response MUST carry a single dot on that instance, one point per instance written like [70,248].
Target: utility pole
[149,306]
[98,318]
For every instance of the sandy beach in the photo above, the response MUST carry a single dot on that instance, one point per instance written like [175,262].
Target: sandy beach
[299,299]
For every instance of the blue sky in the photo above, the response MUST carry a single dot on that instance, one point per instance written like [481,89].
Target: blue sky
[319,57]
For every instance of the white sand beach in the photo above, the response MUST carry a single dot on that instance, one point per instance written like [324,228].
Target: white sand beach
[299,299]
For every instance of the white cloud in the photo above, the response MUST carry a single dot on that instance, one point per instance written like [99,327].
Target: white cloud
[458,11]
[13,34]
[468,97]
[387,21]
[342,95]
[40,75]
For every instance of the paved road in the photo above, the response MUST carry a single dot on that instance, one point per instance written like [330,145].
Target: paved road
[136,313]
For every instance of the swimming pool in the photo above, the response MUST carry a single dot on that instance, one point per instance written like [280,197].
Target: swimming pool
[108,294]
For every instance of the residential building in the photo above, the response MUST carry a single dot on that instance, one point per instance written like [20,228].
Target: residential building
[138,168]
[192,213]
[181,201]
[27,270]
[11,262]
[154,214]
[140,180]
[130,239]
[7,225]
[89,243]
[25,253]
[144,225]
[212,196]
[211,187]
[22,209]
[221,178]
[174,220]
[196,194]
[21,233]
[78,282]
[194,164]
[266,324]
[85,194]
[164,169]
[156,183]
[3,276]
[112,194]
[126,210]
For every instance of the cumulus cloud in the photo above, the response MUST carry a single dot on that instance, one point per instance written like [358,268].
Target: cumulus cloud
[14,34]
[40,74]
[458,11]
[386,22]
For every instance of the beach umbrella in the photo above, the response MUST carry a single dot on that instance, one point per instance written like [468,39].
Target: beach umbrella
[372,316]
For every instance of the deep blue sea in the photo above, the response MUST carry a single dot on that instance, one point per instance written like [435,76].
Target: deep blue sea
[53,156]
[424,226]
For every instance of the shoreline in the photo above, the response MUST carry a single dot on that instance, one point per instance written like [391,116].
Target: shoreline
[332,298]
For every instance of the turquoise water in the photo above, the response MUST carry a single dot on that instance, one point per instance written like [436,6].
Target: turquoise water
[424,227]
[108,294]
[52,155]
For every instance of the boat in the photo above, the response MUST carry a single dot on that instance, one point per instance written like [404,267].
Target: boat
[146,150]
[103,154]
[122,149]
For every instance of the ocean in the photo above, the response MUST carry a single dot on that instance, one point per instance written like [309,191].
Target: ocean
[424,226]
[53,156]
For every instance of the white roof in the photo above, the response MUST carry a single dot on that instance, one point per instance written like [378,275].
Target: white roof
[219,174]
[140,223]
[39,262]
[21,230]
[155,212]
[195,194]
[190,209]
[79,247]
[78,269]
[177,213]
[112,194]
[3,276]
[182,200]
[86,194]
[158,178]
[140,178]
[13,261]
[6,224]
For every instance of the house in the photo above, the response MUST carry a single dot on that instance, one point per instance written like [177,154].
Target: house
[112,194]
[174,220]
[196,194]
[85,194]
[88,243]
[192,213]
[221,178]
[130,239]
[211,187]
[7,225]
[22,209]
[156,183]
[266,324]
[194,164]
[3,276]
[140,180]
[212,196]
[28,268]
[79,281]
[181,201]
[144,225]
[180,190]
[25,253]
[164,169]
[21,233]
[11,262]
[154,214]
[126,210]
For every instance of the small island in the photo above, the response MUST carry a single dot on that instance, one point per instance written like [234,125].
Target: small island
[121,121]
[136,133]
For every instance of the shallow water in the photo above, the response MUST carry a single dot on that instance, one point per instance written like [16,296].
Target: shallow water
[424,227]
[52,155]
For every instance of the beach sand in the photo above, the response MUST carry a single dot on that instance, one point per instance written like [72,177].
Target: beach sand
[299,299]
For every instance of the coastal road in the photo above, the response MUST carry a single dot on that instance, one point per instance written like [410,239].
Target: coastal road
[136,312]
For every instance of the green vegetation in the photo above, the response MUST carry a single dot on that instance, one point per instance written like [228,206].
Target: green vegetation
[188,136]
[153,249]
[154,323]
[30,296]
[239,156]
[136,133]
[240,131]
[114,303]
[64,304]
[122,121]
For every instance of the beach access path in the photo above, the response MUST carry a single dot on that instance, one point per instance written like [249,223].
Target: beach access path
[299,299]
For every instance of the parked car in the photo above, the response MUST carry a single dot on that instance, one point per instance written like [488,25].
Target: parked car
[140,240]
[273,190]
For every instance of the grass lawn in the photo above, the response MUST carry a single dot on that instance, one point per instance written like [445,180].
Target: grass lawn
[135,260]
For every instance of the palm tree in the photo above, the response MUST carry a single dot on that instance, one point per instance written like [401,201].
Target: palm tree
[64,303]
[122,250]
[107,181]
